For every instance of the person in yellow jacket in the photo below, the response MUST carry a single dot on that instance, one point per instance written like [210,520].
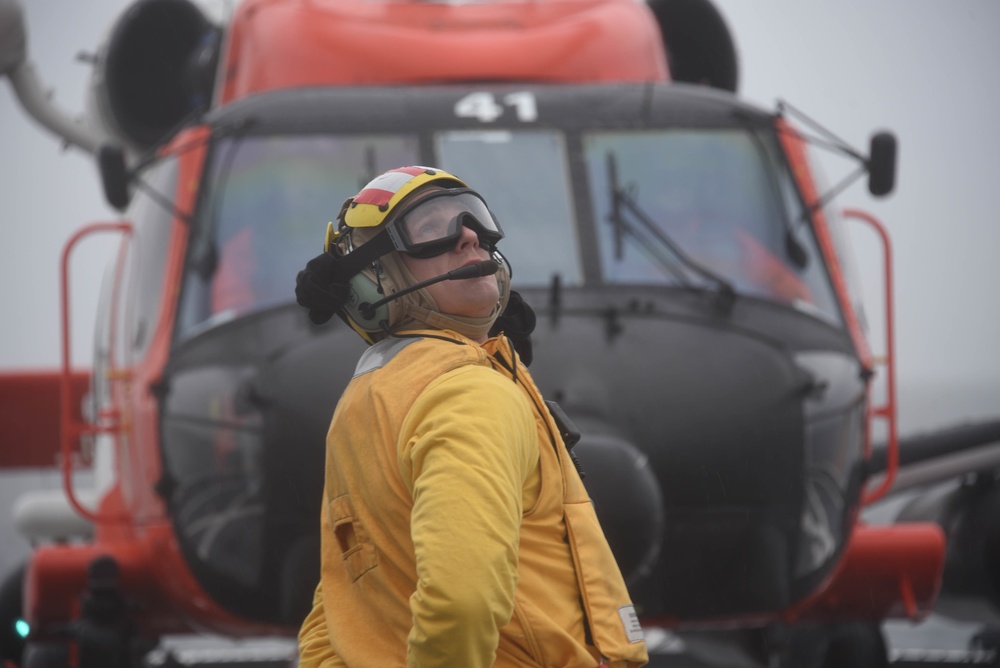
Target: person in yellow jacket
[455,528]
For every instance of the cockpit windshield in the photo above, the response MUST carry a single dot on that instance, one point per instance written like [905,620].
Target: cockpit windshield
[524,177]
[720,196]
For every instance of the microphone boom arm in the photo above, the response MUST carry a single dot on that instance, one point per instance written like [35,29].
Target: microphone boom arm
[483,268]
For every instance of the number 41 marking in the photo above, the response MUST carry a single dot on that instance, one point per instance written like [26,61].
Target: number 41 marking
[484,106]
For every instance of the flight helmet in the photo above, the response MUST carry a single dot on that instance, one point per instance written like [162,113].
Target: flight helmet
[399,211]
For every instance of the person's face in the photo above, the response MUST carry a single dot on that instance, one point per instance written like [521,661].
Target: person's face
[473,297]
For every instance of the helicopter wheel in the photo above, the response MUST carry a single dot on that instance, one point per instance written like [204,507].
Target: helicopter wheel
[11,642]
[299,576]
[855,644]
[46,655]
[56,654]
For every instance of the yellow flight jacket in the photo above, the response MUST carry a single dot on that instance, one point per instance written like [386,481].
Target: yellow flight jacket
[456,530]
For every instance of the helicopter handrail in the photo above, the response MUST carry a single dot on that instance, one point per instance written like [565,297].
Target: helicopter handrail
[71,429]
[887,410]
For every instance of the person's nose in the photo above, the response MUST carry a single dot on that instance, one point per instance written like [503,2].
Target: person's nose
[468,238]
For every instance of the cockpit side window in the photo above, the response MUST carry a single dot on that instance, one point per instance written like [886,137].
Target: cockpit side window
[153,229]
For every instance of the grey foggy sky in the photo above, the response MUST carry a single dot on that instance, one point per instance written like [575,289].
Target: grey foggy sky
[922,68]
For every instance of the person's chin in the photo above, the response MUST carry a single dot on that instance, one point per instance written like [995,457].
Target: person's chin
[478,309]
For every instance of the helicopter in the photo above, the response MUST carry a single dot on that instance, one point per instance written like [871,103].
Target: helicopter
[695,229]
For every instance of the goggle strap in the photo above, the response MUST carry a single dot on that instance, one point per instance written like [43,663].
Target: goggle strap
[350,265]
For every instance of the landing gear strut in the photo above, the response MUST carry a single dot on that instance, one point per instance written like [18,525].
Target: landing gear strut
[102,637]
[856,644]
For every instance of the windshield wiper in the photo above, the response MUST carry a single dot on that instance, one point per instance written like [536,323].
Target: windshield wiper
[622,201]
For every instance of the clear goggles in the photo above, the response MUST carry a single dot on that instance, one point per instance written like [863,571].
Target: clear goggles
[433,224]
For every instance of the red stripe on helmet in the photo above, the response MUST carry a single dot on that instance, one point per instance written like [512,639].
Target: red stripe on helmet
[374,196]
[381,189]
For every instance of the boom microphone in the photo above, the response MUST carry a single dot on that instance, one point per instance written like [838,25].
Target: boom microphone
[483,268]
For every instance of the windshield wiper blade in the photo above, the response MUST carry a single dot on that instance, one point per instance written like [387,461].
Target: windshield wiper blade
[619,199]
[623,201]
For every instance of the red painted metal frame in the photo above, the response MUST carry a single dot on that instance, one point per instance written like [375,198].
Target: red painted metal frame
[73,428]
[29,416]
[887,411]
[798,161]
[795,149]
[885,572]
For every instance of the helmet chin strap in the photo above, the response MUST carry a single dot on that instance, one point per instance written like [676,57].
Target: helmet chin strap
[471,328]
[418,310]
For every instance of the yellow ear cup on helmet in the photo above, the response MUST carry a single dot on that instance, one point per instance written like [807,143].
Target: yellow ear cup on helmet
[364,290]
[331,237]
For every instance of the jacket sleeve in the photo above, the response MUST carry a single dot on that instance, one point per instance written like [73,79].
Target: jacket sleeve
[314,643]
[467,446]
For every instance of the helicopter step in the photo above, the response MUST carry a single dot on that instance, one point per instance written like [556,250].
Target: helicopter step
[217,652]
